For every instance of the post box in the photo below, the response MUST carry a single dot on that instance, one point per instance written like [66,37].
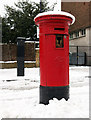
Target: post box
[54,54]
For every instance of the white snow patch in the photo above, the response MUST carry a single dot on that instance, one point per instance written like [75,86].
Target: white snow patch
[57,13]
[16,61]
[20,98]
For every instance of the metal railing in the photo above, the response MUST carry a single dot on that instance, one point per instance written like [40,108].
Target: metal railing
[80,55]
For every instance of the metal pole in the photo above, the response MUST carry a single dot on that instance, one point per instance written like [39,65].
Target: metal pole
[59,5]
[77,56]
[40,6]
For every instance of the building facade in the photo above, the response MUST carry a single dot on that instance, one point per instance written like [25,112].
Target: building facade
[80,31]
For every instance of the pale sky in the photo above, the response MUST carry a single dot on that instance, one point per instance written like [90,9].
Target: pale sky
[11,3]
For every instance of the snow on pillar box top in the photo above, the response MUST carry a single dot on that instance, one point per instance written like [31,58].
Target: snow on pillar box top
[55,19]
[54,14]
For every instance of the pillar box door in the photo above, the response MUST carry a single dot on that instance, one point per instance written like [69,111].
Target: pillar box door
[54,55]
[54,60]
[57,60]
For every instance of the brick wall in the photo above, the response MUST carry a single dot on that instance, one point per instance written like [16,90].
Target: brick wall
[9,52]
[81,11]
[29,51]
[37,58]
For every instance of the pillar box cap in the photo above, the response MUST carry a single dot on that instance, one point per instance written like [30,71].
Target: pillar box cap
[61,13]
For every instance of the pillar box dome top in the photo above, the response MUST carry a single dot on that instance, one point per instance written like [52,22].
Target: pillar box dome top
[54,15]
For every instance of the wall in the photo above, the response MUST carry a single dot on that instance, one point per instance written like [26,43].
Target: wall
[83,41]
[81,11]
[29,51]
[9,52]
[37,58]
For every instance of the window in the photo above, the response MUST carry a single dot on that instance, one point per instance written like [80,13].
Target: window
[83,32]
[77,34]
[59,41]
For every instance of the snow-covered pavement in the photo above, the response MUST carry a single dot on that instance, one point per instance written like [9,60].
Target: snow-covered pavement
[19,98]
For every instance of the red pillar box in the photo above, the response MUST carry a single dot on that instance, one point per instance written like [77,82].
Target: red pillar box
[54,54]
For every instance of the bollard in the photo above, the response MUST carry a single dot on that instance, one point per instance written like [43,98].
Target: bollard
[20,56]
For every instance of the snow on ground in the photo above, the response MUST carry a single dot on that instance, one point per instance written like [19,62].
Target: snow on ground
[19,98]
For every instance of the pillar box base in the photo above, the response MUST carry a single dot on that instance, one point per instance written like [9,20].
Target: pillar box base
[48,93]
